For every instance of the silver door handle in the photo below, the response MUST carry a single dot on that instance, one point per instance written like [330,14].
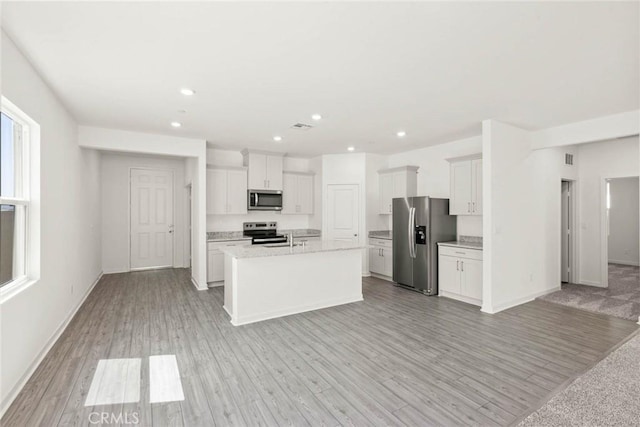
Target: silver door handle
[411,231]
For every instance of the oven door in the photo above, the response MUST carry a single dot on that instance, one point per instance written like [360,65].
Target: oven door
[264,200]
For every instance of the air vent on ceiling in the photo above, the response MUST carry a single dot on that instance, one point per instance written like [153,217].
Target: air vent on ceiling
[568,159]
[301,126]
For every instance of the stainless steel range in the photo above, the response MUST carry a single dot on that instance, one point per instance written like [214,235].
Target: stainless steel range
[262,233]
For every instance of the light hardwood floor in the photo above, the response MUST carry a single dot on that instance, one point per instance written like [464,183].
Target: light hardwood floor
[396,358]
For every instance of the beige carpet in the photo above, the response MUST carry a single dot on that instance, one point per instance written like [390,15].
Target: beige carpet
[607,395]
[621,299]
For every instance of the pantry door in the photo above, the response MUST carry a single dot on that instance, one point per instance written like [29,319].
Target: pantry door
[343,212]
[151,211]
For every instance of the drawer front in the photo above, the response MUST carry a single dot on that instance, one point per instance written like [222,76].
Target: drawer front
[215,246]
[460,252]
[380,242]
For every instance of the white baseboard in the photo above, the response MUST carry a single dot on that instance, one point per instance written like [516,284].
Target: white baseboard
[195,283]
[517,301]
[634,263]
[215,284]
[591,283]
[47,347]
[244,320]
[114,270]
[380,276]
[367,274]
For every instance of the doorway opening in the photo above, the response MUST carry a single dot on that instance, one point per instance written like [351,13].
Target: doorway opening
[567,233]
[621,244]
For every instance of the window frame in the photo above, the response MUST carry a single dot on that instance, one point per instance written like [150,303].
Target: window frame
[27,259]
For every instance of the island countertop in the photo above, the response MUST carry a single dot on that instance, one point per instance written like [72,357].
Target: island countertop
[259,251]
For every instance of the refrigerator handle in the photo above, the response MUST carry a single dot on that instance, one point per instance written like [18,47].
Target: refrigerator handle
[411,231]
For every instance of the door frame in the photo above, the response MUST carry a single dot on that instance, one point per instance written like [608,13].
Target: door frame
[573,231]
[604,238]
[173,209]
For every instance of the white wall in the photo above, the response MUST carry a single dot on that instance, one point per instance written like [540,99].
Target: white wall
[116,169]
[433,175]
[624,220]
[70,228]
[219,157]
[521,217]
[600,160]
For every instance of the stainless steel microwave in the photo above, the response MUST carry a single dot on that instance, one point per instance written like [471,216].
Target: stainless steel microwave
[264,200]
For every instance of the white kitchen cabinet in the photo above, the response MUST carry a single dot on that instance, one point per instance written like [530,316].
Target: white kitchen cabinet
[297,193]
[381,257]
[476,186]
[265,170]
[396,182]
[460,274]
[215,259]
[226,191]
[466,187]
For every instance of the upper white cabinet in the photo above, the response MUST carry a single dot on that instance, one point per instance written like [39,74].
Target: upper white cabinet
[265,170]
[397,182]
[297,193]
[226,191]
[466,187]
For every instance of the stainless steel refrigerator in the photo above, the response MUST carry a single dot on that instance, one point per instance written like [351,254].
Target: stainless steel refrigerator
[419,223]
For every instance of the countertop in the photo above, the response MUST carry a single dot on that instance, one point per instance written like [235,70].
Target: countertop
[225,236]
[381,234]
[258,251]
[301,232]
[463,244]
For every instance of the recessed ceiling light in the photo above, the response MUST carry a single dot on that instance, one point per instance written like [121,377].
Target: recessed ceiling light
[316,117]
[176,124]
[401,134]
[187,92]
[277,138]
[351,148]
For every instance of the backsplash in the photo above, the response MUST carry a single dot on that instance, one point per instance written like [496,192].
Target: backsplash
[234,222]
[470,239]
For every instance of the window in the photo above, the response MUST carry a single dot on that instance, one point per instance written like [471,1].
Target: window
[14,198]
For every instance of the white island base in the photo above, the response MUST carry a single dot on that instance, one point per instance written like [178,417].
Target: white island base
[264,283]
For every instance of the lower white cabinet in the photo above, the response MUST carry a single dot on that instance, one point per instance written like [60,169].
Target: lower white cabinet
[381,257]
[215,259]
[460,274]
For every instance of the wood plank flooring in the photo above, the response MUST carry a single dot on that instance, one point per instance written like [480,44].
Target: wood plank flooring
[397,358]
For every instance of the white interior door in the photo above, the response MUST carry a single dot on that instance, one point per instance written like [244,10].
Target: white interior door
[151,218]
[343,211]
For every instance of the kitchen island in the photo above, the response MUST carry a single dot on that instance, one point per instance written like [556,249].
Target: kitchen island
[267,281]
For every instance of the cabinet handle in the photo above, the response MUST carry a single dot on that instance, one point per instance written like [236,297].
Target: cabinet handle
[474,206]
[457,265]
[468,206]
[268,184]
[461,265]
[382,252]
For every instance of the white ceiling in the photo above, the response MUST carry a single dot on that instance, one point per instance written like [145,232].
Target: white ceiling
[435,70]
